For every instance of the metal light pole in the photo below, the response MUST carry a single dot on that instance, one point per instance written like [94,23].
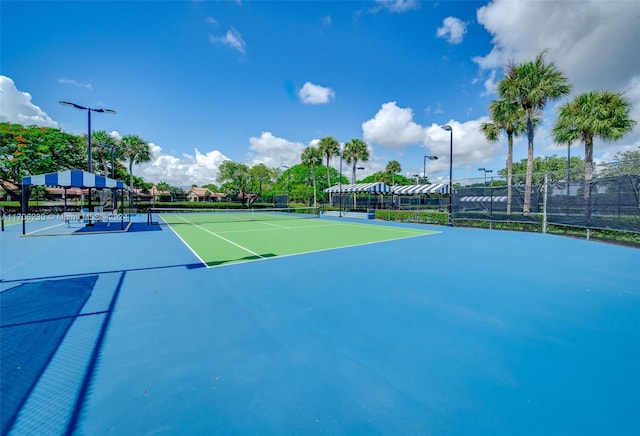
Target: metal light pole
[485,174]
[424,166]
[89,110]
[340,184]
[450,130]
[288,184]
[354,182]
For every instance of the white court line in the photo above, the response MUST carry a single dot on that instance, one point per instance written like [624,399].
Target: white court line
[184,242]
[223,238]
[41,230]
[317,251]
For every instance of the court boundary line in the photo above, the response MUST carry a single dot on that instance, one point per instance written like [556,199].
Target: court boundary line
[261,258]
[185,243]
[243,261]
[228,241]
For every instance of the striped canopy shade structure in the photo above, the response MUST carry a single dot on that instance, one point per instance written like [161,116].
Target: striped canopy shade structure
[73,179]
[367,188]
[439,188]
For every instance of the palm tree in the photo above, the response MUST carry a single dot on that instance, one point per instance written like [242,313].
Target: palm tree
[312,157]
[102,142]
[593,114]
[354,151]
[510,117]
[329,147]
[393,168]
[136,150]
[532,84]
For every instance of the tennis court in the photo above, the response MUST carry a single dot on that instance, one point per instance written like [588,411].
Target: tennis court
[457,331]
[226,237]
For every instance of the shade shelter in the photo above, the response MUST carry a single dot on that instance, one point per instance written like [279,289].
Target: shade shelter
[68,179]
[375,188]
[438,188]
[358,188]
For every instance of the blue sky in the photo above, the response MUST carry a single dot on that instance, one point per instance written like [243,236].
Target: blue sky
[259,81]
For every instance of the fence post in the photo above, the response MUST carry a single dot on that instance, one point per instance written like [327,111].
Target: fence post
[544,204]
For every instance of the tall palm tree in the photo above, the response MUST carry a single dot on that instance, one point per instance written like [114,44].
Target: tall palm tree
[312,157]
[393,168]
[354,151]
[136,150]
[508,116]
[593,114]
[533,84]
[329,147]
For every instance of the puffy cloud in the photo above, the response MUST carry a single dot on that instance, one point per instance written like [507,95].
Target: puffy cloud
[593,42]
[393,127]
[199,168]
[315,94]
[16,106]
[469,145]
[273,151]
[232,39]
[453,30]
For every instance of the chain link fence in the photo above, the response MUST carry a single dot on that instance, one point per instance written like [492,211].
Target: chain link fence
[609,201]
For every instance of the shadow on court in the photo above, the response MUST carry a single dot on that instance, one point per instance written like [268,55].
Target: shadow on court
[241,259]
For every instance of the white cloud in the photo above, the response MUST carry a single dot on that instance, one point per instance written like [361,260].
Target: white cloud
[594,42]
[453,30]
[211,20]
[397,6]
[273,151]
[75,83]
[469,145]
[16,106]
[232,39]
[199,168]
[315,94]
[393,127]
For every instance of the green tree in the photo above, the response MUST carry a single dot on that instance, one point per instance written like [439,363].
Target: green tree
[312,157]
[211,187]
[102,145]
[553,166]
[329,147]
[163,186]
[393,168]
[36,150]
[260,177]
[593,114]
[135,150]
[508,116]
[532,84]
[235,179]
[355,151]
[625,163]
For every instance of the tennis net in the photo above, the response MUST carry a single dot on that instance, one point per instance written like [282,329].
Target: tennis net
[162,216]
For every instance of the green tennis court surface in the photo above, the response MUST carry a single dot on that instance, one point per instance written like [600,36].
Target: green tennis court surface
[227,238]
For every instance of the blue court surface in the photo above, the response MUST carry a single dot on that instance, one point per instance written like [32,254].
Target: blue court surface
[465,331]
